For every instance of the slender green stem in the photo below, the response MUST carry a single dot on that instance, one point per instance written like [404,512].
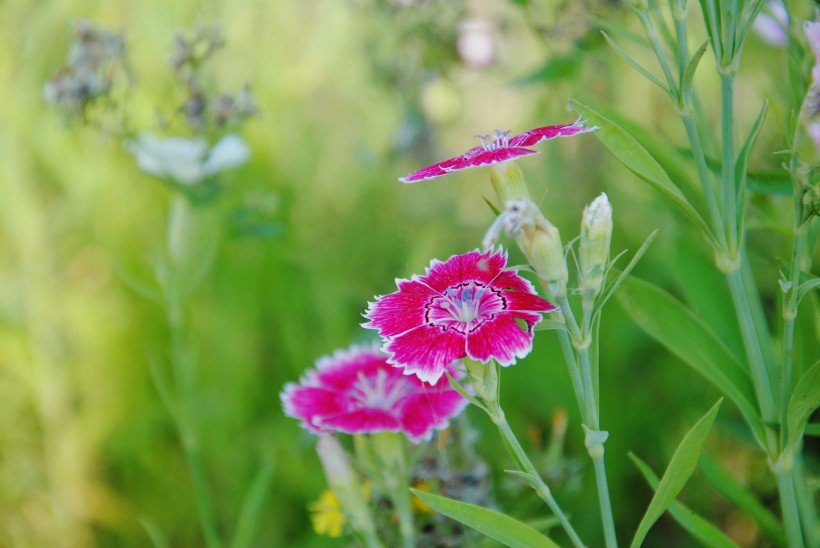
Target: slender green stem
[187,432]
[788,503]
[805,502]
[682,45]
[730,223]
[391,450]
[757,364]
[603,500]
[789,318]
[593,421]
[574,371]
[498,417]
[705,177]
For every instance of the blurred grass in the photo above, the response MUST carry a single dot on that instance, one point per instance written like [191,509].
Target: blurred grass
[87,451]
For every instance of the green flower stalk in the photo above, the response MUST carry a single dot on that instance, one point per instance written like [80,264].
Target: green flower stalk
[346,486]
[390,449]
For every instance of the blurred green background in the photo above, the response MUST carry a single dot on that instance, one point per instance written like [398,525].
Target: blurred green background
[352,95]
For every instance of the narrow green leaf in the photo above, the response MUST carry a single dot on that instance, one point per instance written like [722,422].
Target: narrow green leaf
[154,533]
[807,286]
[632,62]
[635,157]
[666,320]
[733,491]
[749,18]
[711,16]
[495,525]
[691,68]
[804,400]
[698,527]
[610,289]
[491,205]
[677,473]
[252,507]
[743,159]
[550,325]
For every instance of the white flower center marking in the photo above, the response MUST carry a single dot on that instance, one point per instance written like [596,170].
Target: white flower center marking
[376,393]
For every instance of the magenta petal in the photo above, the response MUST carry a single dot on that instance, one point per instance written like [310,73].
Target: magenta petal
[475,157]
[429,172]
[482,267]
[524,302]
[488,157]
[308,403]
[398,312]
[362,421]
[430,410]
[426,351]
[501,338]
[533,136]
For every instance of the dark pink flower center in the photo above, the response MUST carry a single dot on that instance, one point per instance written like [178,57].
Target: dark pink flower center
[379,391]
[464,307]
[501,140]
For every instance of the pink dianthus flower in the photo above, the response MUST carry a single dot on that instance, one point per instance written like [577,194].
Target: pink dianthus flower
[498,149]
[467,306]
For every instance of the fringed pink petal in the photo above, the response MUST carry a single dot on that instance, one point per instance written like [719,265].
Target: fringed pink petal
[362,421]
[526,302]
[475,157]
[344,368]
[401,311]
[430,410]
[309,403]
[477,266]
[533,136]
[501,339]
[426,351]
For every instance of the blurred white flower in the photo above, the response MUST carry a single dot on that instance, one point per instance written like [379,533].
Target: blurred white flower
[476,45]
[187,161]
[772,24]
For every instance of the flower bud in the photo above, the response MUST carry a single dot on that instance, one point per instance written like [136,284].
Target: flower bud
[345,484]
[508,182]
[542,246]
[596,235]
[538,239]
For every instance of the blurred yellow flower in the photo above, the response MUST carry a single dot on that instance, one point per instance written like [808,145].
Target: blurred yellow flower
[327,516]
[419,506]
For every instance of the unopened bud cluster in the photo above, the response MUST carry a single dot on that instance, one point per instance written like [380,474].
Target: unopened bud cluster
[201,111]
[596,236]
[94,60]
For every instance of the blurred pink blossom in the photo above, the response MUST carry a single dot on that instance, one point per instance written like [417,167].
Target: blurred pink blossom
[355,391]
[772,24]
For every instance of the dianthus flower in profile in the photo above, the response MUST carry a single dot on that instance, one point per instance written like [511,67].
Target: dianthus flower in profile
[498,149]
[467,306]
[355,391]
